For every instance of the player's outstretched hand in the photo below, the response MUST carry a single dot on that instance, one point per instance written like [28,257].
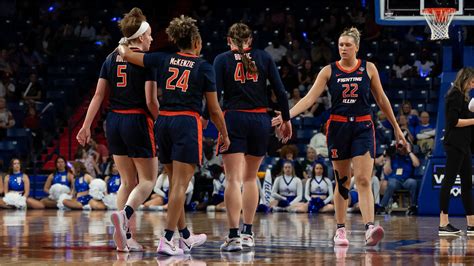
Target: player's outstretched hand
[223,144]
[277,120]
[284,131]
[84,136]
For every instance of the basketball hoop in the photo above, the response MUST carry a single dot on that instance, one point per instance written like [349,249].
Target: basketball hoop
[439,20]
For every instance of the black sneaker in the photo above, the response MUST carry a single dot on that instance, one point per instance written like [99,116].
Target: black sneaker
[448,230]
[470,230]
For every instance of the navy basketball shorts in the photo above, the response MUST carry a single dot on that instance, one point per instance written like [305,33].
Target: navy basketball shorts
[179,137]
[249,131]
[130,133]
[348,137]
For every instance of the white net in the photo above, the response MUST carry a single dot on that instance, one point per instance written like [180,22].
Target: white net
[439,20]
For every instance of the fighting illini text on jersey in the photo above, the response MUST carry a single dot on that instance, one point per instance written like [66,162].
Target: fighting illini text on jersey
[350,90]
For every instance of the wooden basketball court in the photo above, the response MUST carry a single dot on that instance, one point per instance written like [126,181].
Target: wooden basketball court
[52,237]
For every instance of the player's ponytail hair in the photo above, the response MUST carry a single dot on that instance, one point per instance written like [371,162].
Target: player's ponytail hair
[131,22]
[463,77]
[183,32]
[240,33]
[354,33]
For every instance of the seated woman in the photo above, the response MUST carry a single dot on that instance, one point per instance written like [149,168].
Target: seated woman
[17,189]
[80,192]
[113,185]
[216,203]
[318,193]
[287,189]
[57,183]
[159,198]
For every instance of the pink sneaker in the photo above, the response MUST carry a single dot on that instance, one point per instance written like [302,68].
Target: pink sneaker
[120,222]
[340,237]
[373,235]
[133,245]
[193,241]
[168,248]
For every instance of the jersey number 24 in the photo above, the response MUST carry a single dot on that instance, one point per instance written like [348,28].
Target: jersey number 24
[182,82]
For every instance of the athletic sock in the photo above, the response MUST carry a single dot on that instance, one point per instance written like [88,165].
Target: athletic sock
[341,226]
[368,224]
[184,233]
[233,232]
[129,235]
[169,234]
[247,229]
[128,211]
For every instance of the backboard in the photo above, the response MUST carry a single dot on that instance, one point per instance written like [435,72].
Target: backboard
[408,12]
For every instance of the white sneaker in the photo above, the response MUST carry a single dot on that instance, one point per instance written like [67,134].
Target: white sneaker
[232,244]
[134,246]
[193,241]
[340,238]
[87,207]
[166,247]
[373,235]
[211,208]
[120,222]
[247,240]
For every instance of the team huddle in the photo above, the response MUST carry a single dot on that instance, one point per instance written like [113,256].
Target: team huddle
[137,123]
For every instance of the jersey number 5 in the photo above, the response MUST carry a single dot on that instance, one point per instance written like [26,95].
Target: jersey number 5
[123,75]
[347,88]
[240,75]
[182,82]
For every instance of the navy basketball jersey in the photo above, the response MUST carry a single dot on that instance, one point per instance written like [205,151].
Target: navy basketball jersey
[350,90]
[244,91]
[184,78]
[127,82]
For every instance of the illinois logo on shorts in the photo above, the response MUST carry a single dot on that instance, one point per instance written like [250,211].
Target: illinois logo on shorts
[334,153]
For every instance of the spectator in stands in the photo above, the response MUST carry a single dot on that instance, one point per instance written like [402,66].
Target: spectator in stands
[410,113]
[425,133]
[295,97]
[32,90]
[5,64]
[296,55]
[323,103]
[398,170]
[306,76]
[287,153]
[276,50]
[288,78]
[308,163]
[318,142]
[84,30]
[30,57]
[98,151]
[424,65]
[321,54]
[33,122]
[104,37]
[7,88]
[88,160]
[6,118]
[400,68]
[287,189]
[406,129]
[382,119]
[47,41]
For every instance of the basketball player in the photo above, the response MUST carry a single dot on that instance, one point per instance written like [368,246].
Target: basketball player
[185,79]
[130,133]
[350,130]
[242,75]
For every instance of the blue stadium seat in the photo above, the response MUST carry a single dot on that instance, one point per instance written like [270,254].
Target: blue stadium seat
[432,107]
[8,150]
[396,83]
[304,135]
[312,122]
[415,95]
[37,185]
[399,95]
[420,83]
[297,122]
[23,138]
[69,82]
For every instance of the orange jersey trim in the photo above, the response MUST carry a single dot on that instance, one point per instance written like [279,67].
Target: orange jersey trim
[151,133]
[131,111]
[359,62]
[256,110]
[187,55]
[344,119]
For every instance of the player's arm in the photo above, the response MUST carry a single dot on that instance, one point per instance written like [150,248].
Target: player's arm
[310,98]
[26,181]
[130,56]
[382,101]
